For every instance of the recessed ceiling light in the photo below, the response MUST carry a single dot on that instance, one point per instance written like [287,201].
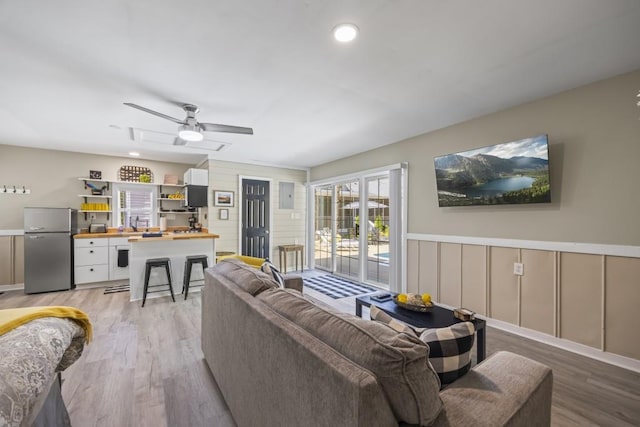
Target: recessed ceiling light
[345,33]
[134,154]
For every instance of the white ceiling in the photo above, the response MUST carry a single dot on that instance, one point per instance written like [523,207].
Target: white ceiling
[67,66]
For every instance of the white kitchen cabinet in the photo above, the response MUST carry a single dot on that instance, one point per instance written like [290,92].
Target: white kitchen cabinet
[91,243]
[91,273]
[196,177]
[91,256]
[91,260]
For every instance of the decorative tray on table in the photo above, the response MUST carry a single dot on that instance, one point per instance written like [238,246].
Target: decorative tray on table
[412,307]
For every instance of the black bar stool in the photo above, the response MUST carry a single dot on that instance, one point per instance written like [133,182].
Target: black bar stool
[192,259]
[153,263]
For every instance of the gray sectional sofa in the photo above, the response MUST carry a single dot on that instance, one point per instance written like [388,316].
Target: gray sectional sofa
[283,360]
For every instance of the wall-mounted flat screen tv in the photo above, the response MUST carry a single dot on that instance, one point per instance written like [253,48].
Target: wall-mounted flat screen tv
[509,173]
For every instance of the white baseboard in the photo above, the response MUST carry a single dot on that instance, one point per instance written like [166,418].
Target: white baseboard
[574,347]
[584,350]
[15,287]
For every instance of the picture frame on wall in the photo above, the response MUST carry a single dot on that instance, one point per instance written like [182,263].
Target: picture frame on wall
[224,214]
[223,198]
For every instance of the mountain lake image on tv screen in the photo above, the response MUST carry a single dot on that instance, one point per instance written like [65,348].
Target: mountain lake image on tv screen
[509,173]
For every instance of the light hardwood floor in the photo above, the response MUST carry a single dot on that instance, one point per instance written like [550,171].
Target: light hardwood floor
[145,367]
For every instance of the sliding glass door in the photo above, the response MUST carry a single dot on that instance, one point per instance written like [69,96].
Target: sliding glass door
[354,236]
[378,250]
[323,227]
[347,247]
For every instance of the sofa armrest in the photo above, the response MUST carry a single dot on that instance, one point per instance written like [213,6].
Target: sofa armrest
[505,390]
[293,281]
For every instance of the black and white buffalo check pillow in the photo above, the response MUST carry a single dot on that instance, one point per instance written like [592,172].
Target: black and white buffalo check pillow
[271,270]
[378,315]
[450,350]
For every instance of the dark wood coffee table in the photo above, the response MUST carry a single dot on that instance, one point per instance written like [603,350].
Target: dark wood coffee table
[438,317]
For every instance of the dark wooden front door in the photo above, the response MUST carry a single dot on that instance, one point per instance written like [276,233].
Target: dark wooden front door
[255,218]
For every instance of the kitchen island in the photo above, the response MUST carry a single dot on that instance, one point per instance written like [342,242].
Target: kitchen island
[176,247]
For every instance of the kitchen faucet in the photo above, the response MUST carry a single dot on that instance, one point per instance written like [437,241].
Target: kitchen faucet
[134,227]
[134,224]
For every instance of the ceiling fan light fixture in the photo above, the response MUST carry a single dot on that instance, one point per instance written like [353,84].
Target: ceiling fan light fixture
[345,33]
[190,134]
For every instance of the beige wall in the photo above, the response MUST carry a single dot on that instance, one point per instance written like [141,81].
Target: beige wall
[585,298]
[590,299]
[288,225]
[52,177]
[594,137]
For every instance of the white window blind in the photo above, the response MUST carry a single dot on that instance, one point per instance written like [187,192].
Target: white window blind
[136,206]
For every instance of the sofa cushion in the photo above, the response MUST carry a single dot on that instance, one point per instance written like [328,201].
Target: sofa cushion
[247,278]
[399,361]
[450,353]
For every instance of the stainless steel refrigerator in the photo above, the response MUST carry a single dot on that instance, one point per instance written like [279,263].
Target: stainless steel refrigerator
[48,249]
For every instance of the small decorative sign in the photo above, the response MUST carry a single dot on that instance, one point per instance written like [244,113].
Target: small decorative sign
[463,314]
[223,198]
[95,174]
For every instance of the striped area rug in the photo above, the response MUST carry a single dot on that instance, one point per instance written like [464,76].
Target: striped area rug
[117,288]
[337,287]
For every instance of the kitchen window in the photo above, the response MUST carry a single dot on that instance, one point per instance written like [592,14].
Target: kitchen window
[135,205]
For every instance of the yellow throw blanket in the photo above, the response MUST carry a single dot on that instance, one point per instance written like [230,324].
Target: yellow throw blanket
[251,260]
[14,317]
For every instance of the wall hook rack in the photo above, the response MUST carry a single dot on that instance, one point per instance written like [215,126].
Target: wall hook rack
[14,189]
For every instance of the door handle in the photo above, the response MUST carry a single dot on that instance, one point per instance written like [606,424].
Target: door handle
[36,228]
[91,251]
[36,237]
[91,269]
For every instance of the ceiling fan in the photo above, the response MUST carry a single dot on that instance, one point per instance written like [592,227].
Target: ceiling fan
[190,129]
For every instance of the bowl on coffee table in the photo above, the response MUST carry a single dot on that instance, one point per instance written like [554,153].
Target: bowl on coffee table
[412,307]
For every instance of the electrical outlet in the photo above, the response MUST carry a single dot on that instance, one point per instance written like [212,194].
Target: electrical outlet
[518,269]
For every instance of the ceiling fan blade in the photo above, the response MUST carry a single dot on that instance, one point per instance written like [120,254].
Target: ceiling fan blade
[211,127]
[179,141]
[155,113]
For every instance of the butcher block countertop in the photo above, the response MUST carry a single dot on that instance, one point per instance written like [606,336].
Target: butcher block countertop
[176,234]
